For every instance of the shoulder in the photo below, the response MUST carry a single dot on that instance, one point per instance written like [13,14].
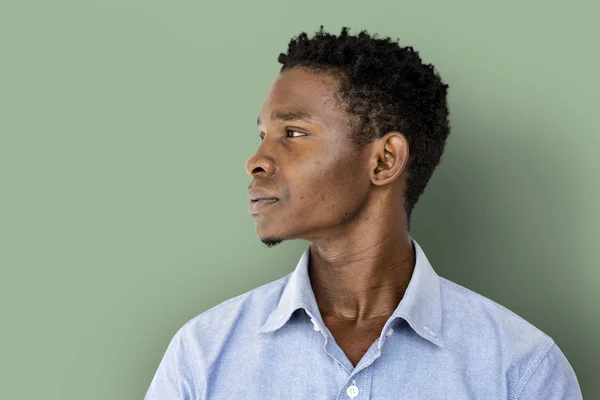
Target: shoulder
[247,309]
[474,315]
[484,332]
[202,339]
[529,360]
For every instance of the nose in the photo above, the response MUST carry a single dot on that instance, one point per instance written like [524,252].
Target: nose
[260,163]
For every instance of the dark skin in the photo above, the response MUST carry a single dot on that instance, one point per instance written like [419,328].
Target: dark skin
[347,202]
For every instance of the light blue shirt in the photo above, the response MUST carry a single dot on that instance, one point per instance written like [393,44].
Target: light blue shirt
[443,341]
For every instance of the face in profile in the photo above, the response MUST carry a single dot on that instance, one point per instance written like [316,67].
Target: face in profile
[309,179]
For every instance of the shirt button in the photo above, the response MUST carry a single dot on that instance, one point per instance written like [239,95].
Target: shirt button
[352,390]
[390,332]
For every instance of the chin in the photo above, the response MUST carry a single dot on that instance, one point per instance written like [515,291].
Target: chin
[270,242]
[273,234]
[270,239]
[270,232]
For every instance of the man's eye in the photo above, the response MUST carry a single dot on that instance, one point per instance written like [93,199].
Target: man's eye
[287,131]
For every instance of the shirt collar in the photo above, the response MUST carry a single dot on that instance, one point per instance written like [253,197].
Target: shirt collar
[420,307]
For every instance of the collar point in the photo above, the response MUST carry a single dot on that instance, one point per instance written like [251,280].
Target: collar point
[273,323]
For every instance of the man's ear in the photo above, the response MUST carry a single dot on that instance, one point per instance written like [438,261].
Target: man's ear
[389,159]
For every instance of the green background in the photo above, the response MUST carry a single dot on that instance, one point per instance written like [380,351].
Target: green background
[125,126]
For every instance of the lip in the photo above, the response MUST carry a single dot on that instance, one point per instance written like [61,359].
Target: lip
[256,206]
[256,192]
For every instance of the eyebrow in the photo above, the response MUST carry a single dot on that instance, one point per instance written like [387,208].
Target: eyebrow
[289,116]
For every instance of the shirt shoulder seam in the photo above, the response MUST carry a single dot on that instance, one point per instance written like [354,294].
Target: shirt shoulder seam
[531,368]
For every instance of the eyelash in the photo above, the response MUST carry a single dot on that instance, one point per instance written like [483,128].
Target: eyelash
[286,134]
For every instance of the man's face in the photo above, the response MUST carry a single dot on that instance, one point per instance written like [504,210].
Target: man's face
[318,176]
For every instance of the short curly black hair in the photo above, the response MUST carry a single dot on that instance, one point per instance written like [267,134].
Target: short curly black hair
[389,88]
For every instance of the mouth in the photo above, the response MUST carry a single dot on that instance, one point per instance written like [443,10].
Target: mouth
[260,204]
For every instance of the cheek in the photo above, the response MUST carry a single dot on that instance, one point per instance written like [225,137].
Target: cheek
[329,189]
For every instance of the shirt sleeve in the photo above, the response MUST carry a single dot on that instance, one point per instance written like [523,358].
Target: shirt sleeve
[552,379]
[174,378]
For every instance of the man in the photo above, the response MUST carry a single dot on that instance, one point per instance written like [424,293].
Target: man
[352,129]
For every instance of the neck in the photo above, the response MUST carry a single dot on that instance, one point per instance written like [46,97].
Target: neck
[363,272]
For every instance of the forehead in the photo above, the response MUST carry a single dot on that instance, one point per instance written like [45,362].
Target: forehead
[298,89]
